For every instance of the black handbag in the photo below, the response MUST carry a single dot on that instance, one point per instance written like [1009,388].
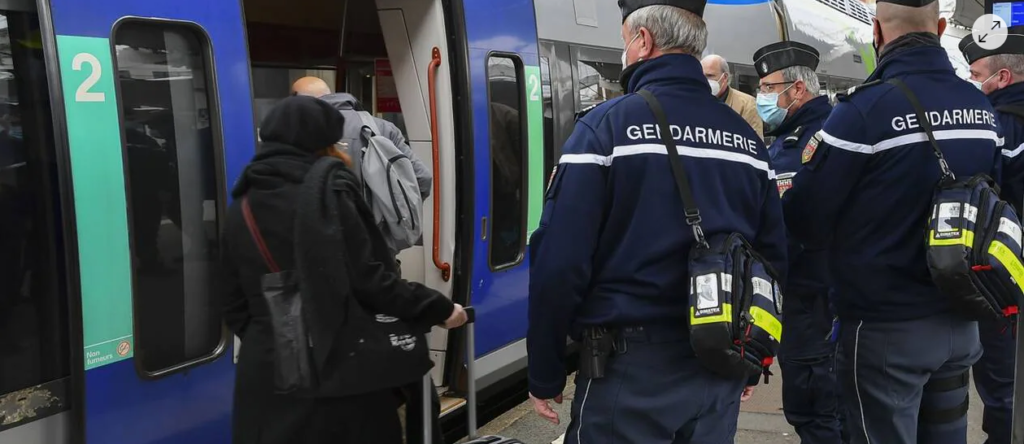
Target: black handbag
[293,369]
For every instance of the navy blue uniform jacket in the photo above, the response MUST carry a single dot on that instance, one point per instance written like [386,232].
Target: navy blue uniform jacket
[866,191]
[808,270]
[613,243]
[1012,132]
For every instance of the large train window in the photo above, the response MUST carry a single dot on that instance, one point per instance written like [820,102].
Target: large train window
[172,164]
[34,348]
[508,160]
[597,74]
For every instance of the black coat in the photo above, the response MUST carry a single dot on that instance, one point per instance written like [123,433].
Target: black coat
[363,269]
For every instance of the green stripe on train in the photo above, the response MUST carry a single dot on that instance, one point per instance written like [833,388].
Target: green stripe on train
[535,154]
[98,177]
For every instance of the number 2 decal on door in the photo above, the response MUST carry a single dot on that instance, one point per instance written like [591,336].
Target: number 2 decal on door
[94,139]
[533,82]
[83,94]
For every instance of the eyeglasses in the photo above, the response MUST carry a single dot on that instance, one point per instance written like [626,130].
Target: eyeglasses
[767,87]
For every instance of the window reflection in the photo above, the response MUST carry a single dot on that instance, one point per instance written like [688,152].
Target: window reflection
[173,194]
[598,81]
[507,238]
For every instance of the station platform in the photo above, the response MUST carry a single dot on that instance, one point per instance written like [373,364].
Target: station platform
[761,420]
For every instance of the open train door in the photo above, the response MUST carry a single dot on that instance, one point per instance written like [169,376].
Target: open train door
[156,101]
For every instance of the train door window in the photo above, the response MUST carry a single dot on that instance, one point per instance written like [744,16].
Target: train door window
[508,152]
[33,286]
[172,163]
[597,76]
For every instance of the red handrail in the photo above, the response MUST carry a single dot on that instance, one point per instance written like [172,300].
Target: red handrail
[435,62]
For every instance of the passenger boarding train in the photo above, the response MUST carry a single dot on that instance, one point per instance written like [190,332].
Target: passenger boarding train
[125,123]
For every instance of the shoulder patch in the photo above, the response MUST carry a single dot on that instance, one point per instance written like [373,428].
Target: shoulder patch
[784,182]
[810,148]
[843,96]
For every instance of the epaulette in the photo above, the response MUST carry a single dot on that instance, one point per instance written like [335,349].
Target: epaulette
[584,111]
[844,96]
[794,136]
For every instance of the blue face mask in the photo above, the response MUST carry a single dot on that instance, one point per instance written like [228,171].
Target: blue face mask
[768,108]
[15,132]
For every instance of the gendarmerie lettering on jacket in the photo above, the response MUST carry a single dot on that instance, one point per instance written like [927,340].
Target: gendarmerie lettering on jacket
[946,118]
[693,134]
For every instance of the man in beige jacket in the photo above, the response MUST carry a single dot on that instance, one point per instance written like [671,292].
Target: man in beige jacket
[716,69]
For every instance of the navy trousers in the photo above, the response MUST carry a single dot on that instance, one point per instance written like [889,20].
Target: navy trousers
[906,382]
[810,390]
[993,377]
[655,392]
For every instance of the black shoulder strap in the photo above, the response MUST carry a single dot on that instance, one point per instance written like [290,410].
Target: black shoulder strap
[1014,110]
[682,180]
[925,124]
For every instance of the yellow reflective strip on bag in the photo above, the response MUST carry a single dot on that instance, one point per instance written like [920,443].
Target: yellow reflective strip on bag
[1009,261]
[767,322]
[966,238]
[725,316]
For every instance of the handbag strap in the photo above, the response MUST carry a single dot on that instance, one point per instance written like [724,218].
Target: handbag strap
[678,172]
[926,125]
[254,230]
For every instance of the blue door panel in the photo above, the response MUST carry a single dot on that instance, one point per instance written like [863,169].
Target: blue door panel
[500,297]
[193,406]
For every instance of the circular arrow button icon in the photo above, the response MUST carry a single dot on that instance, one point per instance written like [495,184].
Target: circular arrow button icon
[989,31]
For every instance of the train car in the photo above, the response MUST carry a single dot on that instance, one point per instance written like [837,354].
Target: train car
[124,124]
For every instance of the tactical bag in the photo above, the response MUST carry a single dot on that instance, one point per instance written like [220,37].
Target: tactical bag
[973,239]
[389,176]
[735,303]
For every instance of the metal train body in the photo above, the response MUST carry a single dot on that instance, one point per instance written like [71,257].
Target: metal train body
[137,117]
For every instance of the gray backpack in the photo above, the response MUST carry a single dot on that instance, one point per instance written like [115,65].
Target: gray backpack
[393,193]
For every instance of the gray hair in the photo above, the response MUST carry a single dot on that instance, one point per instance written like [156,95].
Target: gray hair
[810,79]
[1012,62]
[671,28]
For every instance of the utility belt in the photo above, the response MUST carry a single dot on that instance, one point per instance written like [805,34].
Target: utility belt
[602,343]
[973,241]
[735,303]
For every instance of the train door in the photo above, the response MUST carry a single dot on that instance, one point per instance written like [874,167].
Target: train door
[156,102]
[508,147]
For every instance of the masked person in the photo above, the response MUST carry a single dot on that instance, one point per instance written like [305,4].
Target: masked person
[865,193]
[716,69]
[610,256]
[999,74]
[790,102]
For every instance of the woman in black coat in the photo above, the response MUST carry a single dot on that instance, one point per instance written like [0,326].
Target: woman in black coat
[310,212]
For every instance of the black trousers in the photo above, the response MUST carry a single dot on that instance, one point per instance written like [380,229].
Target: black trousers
[413,395]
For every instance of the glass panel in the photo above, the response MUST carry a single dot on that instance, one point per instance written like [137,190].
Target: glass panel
[598,81]
[33,288]
[549,127]
[508,148]
[172,166]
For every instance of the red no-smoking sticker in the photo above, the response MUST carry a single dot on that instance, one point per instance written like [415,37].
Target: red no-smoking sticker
[123,348]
